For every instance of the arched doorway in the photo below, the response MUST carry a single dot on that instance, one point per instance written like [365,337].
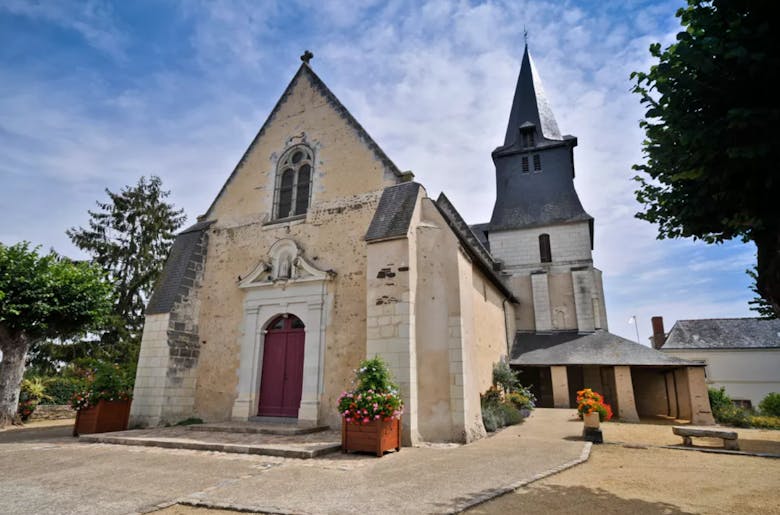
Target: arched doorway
[281,382]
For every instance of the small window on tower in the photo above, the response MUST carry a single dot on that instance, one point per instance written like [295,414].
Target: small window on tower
[537,163]
[528,138]
[525,164]
[544,248]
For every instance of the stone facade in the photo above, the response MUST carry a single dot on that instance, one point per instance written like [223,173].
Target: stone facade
[417,299]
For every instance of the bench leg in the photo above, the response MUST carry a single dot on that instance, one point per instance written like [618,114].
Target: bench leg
[731,445]
[687,441]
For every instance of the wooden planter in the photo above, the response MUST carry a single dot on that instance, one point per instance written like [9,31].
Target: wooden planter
[104,417]
[377,436]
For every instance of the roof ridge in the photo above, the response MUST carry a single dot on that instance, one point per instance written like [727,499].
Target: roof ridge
[334,101]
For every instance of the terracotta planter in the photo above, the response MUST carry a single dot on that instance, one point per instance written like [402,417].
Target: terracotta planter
[377,436]
[104,417]
[591,419]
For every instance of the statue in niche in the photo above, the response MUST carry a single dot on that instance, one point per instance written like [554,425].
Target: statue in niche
[284,267]
[559,318]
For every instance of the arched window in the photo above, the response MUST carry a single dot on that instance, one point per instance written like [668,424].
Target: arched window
[293,182]
[544,248]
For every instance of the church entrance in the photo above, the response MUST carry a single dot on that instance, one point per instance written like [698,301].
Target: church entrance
[281,382]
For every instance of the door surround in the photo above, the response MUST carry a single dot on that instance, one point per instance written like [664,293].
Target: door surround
[288,284]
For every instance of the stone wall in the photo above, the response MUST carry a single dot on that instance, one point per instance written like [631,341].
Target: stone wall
[520,247]
[347,181]
[53,412]
[439,323]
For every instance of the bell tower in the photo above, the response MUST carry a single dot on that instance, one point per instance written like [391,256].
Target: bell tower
[539,229]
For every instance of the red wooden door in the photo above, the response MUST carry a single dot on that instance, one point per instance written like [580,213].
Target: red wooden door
[282,380]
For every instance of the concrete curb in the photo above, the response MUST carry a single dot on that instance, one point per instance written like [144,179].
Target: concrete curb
[711,450]
[488,495]
[278,451]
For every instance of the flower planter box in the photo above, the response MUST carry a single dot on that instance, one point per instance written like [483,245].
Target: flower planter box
[104,417]
[376,436]
[591,419]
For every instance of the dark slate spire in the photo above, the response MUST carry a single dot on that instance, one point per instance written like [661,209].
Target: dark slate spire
[530,105]
[535,166]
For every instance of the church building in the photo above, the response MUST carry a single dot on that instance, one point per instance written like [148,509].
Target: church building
[319,252]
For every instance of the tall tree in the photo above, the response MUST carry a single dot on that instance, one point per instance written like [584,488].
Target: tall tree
[759,304]
[129,236]
[712,147]
[42,297]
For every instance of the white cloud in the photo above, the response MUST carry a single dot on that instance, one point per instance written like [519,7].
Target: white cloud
[432,83]
[92,19]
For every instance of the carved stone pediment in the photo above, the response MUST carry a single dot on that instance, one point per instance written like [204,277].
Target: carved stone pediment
[284,264]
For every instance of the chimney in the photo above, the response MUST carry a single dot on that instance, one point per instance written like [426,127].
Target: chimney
[659,336]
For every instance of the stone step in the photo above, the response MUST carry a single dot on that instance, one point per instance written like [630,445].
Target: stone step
[257,428]
[279,450]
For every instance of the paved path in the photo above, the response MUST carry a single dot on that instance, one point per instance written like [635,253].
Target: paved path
[51,472]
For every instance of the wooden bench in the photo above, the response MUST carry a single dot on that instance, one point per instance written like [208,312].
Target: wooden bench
[729,437]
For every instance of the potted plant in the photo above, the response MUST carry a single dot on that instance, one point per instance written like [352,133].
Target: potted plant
[31,393]
[591,408]
[103,405]
[371,412]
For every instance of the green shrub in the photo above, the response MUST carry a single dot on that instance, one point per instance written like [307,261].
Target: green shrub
[491,397]
[504,376]
[764,422]
[522,399]
[770,406]
[719,400]
[32,392]
[512,415]
[492,418]
[61,389]
[373,374]
[733,416]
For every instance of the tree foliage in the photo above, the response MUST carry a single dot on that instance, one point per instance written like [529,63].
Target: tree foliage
[129,236]
[759,304]
[42,297]
[711,143]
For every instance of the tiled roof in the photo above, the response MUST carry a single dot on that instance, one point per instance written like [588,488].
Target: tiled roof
[599,348]
[724,333]
[394,212]
[186,254]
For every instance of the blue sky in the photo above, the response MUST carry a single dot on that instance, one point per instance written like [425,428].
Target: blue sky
[95,94]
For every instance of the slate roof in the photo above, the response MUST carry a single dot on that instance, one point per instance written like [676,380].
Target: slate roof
[306,72]
[526,342]
[394,212]
[724,333]
[599,348]
[480,231]
[179,270]
[530,105]
[527,197]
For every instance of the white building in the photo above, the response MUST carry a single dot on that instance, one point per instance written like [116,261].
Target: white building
[742,354]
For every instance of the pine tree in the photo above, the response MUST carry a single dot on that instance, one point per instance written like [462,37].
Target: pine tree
[129,236]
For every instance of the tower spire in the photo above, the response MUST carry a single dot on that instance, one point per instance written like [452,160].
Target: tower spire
[530,105]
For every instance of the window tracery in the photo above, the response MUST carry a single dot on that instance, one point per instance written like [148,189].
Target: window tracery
[293,182]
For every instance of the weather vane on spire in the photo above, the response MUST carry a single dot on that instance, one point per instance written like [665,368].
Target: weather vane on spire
[306,57]
[525,35]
